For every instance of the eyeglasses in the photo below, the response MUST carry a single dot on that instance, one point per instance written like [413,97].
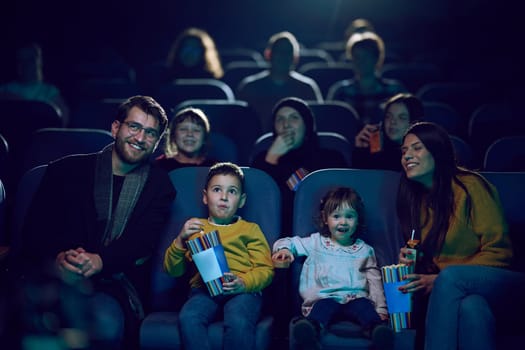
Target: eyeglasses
[135,128]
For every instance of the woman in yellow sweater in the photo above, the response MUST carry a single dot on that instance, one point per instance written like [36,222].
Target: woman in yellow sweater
[464,252]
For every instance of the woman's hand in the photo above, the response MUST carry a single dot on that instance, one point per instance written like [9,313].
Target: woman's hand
[418,282]
[233,284]
[281,145]
[404,254]
[362,139]
[191,227]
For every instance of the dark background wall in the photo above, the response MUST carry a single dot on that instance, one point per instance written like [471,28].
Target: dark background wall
[477,38]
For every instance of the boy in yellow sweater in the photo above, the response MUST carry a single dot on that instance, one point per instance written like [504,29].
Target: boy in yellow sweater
[249,260]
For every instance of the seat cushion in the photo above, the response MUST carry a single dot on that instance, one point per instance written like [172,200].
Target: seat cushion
[159,331]
[263,334]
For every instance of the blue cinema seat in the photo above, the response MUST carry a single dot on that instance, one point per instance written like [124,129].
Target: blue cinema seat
[48,144]
[3,224]
[378,188]
[159,329]
[327,140]
[505,154]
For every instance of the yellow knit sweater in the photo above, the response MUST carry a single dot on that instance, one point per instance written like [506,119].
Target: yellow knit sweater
[483,241]
[246,249]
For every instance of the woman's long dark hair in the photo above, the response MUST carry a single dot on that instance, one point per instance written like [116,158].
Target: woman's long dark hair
[413,196]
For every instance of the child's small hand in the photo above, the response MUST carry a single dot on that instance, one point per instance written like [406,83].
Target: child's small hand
[283,254]
[191,227]
[233,284]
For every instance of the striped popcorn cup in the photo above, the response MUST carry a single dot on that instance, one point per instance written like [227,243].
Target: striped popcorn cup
[208,255]
[399,304]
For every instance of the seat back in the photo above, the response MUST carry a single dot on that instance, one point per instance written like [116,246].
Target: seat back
[27,187]
[235,72]
[506,154]
[152,75]
[327,140]
[220,147]
[378,189]
[3,224]
[413,75]
[49,144]
[336,116]
[310,55]
[464,97]
[107,69]
[4,153]
[263,206]
[101,88]
[237,54]
[28,116]
[171,94]
[159,330]
[511,190]
[223,148]
[25,117]
[445,116]
[95,114]
[326,74]
[492,121]
[464,153]
[235,119]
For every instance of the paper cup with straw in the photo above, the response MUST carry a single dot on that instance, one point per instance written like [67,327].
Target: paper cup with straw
[412,252]
[399,304]
[208,254]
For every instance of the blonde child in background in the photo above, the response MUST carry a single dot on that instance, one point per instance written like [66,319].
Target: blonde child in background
[340,278]
[249,260]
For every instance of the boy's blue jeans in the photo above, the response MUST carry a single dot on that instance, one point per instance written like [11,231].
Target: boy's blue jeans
[463,305]
[241,313]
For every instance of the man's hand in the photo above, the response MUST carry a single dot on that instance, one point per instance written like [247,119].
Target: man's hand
[79,262]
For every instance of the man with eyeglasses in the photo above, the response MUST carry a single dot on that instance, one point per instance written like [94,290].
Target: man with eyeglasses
[97,218]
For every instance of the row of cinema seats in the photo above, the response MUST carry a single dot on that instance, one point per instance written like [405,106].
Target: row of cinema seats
[486,123]
[151,74]
[237,120]
[238,125]
[47,144]
[463,97]
[378,189]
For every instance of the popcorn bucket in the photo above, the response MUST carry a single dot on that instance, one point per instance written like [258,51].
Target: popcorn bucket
[399,304]
[208,255]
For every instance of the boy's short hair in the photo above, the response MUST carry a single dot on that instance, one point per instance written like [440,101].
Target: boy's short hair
[225,168]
